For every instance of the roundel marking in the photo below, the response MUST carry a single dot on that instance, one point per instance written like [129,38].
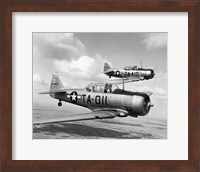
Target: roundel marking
[73,96]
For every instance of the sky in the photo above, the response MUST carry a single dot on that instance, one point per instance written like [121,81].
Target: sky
[79,58]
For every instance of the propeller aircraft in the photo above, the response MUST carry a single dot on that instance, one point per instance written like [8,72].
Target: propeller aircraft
[105,100]
[129,73]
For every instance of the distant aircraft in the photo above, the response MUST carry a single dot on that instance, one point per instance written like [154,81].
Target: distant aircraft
[104,99]
[131,73]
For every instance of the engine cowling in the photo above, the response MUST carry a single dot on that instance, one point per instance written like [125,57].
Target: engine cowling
[141,105]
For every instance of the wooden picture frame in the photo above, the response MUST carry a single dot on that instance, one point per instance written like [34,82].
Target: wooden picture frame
[9,6]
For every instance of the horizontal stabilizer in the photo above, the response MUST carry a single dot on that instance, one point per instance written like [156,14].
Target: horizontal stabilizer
[59,91]
[52,92]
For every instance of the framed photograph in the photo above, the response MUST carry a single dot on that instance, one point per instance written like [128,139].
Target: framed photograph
[99,86]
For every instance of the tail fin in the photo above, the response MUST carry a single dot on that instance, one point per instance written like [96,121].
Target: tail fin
[106,67]
[56,84]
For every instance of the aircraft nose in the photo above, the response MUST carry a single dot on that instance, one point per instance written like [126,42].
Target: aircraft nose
[152,73]
[147,105]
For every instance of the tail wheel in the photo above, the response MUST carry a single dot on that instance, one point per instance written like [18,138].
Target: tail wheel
[59,103]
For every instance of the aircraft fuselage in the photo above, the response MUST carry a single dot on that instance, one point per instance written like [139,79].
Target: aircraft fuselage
[145,73]
[135,103]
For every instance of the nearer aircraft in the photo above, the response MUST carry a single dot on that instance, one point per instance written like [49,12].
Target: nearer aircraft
[106,100]
[131,73]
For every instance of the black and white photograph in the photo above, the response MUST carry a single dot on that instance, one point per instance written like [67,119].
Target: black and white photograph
[99,85]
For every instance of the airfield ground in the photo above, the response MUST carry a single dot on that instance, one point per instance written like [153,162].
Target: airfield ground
[117,128]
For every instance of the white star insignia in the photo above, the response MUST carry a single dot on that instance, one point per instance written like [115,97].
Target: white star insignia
[73,97]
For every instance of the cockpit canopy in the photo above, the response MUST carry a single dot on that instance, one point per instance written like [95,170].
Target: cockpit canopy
[101,87]
[130,67]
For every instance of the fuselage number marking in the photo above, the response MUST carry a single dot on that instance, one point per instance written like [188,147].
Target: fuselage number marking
[98,99]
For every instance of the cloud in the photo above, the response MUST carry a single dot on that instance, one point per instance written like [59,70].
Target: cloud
[38,82]
[155,40]
[58,45]
[158,92]
[161,75]
[37,78]
[84,67]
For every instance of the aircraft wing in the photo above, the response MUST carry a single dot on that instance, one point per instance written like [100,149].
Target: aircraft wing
[81,117]
[126,80]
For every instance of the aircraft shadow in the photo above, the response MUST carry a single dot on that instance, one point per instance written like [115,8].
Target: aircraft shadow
[82,130]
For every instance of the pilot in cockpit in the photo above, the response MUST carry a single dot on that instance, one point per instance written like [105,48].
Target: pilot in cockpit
[93,88]
[108,88]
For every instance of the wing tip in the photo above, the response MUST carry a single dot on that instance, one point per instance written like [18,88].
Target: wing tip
[149,93]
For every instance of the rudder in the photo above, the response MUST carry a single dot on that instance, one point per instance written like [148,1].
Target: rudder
[56,84]
[106,67]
